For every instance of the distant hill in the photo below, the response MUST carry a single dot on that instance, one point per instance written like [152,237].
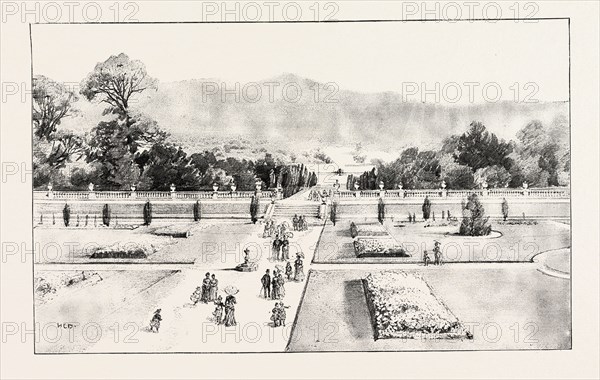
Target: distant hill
[197,117]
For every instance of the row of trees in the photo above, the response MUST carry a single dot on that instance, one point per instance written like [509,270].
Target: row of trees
[540,157]
[131,148]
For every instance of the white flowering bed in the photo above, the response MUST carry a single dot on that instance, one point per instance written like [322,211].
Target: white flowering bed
[402,306]
[378,247]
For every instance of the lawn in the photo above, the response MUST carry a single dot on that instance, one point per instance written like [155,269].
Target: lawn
[209,240]
[508,243]
[504,306]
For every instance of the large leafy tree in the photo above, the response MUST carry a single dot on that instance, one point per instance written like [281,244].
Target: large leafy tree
[52,102]
[478,148]
[120,148]
[115,81]
[413,169]
[168,164]
[52,148]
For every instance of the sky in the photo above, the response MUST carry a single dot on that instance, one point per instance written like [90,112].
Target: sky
[405,57]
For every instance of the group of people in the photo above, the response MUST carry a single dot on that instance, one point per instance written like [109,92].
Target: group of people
[224,313]
[273,287]
[281,248]
[315,195]
[208,291]
[273,283]
[278,314]
[437,255]
[299,223]
[274,230]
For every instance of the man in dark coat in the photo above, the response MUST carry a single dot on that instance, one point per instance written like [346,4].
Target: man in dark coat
[266,284]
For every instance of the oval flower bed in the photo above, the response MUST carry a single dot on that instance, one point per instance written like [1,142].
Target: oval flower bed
[402,305]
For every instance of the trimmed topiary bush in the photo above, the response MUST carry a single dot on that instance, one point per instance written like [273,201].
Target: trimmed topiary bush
[504,209]
[147,213]
[426,208]
[475,223]
[66,215]
[381,211]
[197,211]
[106,215]
[333,213]
[254,205]
[353,230]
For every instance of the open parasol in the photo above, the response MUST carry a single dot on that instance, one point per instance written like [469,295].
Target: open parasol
[231,290]
[300,254]
[279,268]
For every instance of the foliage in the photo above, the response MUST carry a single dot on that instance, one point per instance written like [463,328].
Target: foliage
[147,213]
[478,148]
[426,208]
[504,209]
[106,215]
[197,211]
[495,176]
[52,101]
[254,207]
[66,214]
[353,230]
[333,212]
[115,81]
[475,223]
[381,211]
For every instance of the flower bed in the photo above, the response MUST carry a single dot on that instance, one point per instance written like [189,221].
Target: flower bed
[176,231]
[367,230]
[378,247]
[402,305]
[125,251]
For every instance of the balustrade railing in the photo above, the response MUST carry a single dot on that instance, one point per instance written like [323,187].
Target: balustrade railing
[143,195]
[557,193]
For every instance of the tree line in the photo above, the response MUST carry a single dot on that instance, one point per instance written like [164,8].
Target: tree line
[539,156]
[130,148]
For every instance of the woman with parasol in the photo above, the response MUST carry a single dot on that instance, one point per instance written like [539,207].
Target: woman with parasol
[230,301]
[299,267]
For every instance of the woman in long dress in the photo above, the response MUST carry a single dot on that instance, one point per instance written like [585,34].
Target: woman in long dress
[280,285]
[205,289]
[299,267]
[285,249]
[229,319]
[214,287]
[218,313]
[289,272]
[275,286]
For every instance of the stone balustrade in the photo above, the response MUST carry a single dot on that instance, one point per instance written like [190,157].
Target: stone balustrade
[150,195]
[558,192]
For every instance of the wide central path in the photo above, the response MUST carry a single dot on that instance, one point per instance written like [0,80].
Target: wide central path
[121,305]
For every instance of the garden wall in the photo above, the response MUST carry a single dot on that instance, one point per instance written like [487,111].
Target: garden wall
[132,211]
[558,209]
